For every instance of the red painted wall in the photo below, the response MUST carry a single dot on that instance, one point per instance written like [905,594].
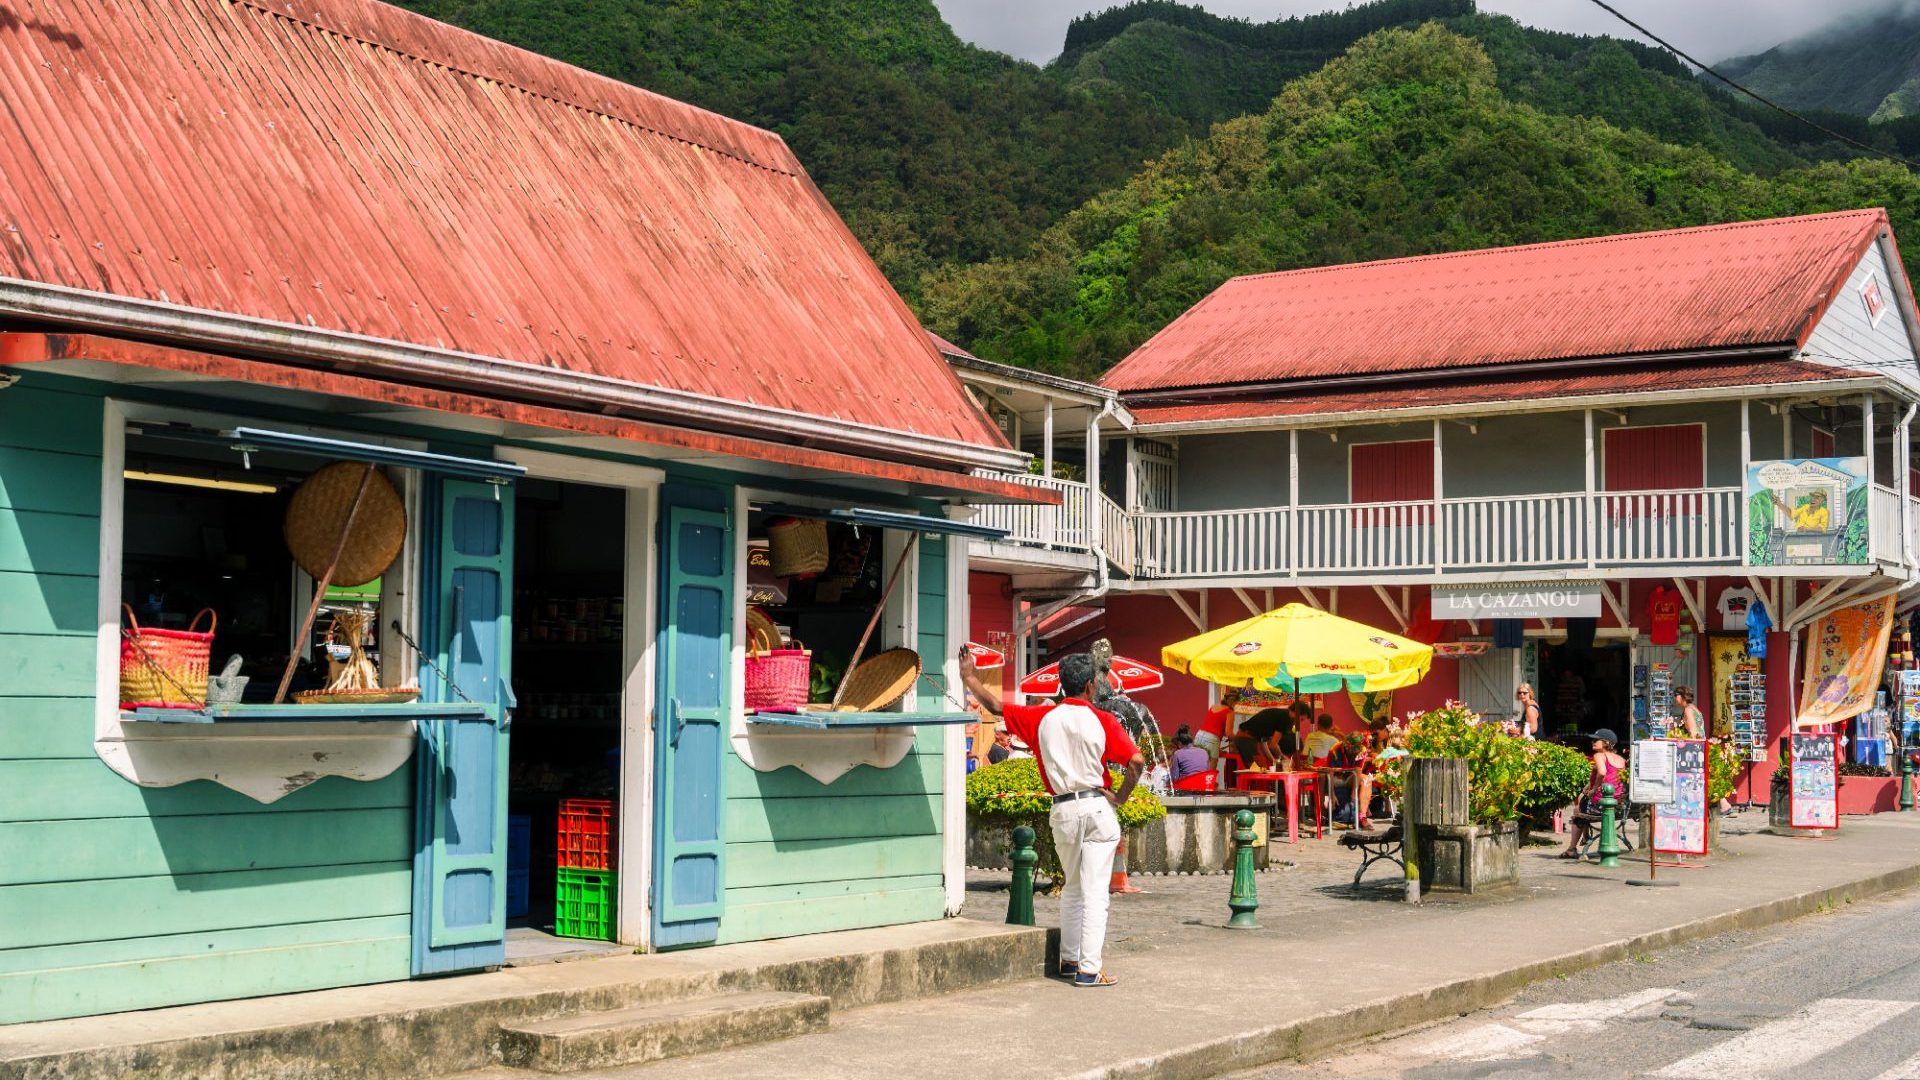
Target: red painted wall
[990,617]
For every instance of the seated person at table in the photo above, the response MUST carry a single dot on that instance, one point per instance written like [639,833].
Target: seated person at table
[1607,765]
[1188,759]
[1322,741]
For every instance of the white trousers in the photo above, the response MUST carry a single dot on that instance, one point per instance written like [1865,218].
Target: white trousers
[1085,833]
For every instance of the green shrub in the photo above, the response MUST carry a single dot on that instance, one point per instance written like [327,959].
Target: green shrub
[1560,774]
[1010,793]
[1723,772]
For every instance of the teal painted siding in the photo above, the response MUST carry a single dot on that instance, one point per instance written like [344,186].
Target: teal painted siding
[115,896]
[805,857]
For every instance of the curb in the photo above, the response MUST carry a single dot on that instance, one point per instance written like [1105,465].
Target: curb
[1298,1039]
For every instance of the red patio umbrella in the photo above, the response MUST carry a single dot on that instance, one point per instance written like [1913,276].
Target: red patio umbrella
[986,658]
[1129,676]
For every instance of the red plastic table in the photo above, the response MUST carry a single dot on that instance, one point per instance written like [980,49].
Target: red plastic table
[1292,782]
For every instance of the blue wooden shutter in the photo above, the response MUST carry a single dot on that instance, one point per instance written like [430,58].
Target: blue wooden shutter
[460,872]
[691,721]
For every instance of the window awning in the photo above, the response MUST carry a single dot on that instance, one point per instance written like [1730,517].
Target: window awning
[888,519]
[246,440]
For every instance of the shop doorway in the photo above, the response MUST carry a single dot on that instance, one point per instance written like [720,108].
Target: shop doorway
[569,679]
[1586,688]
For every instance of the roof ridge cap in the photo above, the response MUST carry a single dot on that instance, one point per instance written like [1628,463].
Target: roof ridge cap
[1574,241]
[370,36]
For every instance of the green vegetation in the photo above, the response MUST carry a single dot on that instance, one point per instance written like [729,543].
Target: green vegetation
[1011,794]
[1862,67]
[1405,145]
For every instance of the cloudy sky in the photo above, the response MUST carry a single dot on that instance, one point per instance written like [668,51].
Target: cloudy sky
[1709,29]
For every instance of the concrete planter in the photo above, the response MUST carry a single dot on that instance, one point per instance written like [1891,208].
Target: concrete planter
[1470,858]
[1196,837]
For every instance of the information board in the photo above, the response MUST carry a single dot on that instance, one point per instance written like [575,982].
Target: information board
[1813,797]
[1680,826]
[1650,772]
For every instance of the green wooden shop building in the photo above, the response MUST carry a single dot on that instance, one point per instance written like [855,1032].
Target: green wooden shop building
[593,342]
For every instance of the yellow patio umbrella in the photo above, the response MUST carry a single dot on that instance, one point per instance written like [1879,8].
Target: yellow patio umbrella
[1304,650]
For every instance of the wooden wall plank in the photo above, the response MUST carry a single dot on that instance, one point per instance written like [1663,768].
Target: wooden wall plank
[46,727]
[65,790]
[46,665]
[128,950]
[919,774]
[46,480]
[41,603]
[77,911]
[102,848]
[758,922]
[49,543]
[39,419]
[213,976]
[826,890]
[752,865]
[762,820]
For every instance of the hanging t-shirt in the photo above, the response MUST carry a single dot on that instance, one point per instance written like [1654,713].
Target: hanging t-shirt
[1509,633]
[1758,623]
[1734,606]
[1663,612]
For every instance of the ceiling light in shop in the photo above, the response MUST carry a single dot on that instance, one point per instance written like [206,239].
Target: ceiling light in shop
[201,482]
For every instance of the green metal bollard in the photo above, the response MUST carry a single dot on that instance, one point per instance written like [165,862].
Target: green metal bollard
[1020,896]
[1906,779]
[1609,839]
[1242,900]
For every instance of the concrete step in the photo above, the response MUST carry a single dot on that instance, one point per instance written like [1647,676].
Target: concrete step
[602,1040]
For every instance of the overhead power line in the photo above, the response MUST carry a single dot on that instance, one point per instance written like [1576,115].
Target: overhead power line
[1755,95]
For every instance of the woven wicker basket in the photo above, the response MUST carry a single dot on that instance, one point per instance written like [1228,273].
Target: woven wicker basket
[777,679]
[797,546]
[318,512]
[165,669]
[880,681]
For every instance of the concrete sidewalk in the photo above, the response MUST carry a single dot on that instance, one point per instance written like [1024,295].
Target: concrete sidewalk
[1327,966]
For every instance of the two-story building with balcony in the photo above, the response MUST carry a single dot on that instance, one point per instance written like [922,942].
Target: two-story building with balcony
[1576,464]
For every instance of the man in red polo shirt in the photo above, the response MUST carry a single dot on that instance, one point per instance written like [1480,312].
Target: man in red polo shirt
[1073,743]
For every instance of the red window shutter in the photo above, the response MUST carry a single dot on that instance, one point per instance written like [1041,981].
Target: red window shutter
[1666,458]
[1822,442]
[1392,472]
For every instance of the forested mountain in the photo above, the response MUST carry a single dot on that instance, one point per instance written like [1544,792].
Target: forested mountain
[1867,66]
[1055,217]
[1406,145]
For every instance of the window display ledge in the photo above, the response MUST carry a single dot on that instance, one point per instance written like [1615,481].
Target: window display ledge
[840,721]
[303,714]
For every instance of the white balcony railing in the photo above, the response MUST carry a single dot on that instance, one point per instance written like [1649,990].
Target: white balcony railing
[1694,527]
[1207,543]
[1883,522]
[1517,530]
[1062,527]
[1368,536]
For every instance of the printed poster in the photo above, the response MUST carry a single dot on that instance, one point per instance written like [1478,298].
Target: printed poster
[1680,827]
[1807,511]
[1813,800]
[1846,651]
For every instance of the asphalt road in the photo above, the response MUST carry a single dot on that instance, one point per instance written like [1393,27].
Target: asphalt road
[1834,996]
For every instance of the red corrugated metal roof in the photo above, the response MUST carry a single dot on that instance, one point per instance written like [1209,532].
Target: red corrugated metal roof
[350,166]
[1754,283]
[1410,396]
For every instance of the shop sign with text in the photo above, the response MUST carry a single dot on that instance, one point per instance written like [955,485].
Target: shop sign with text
[1564,600]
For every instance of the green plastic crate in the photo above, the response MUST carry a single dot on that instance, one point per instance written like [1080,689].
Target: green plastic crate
[583,904]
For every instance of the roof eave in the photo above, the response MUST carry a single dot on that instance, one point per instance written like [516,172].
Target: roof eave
[1568,403]
[486,376]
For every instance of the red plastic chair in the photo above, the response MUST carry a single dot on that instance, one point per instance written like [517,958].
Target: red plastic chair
[1233,766]
[1200,781]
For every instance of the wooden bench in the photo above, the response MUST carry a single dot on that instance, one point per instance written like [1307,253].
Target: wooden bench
[1378,844]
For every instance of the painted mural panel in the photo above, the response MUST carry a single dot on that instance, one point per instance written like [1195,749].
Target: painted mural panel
[1807,511]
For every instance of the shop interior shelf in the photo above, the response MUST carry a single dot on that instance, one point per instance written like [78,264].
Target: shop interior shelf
[291,713]
[834,721]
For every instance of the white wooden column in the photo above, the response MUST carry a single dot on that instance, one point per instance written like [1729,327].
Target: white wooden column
[1046,441]
[1293,502]
[1746,455]
[1903,483]
[1096,511]
[1866,447]
[1439,492]
[1593,516]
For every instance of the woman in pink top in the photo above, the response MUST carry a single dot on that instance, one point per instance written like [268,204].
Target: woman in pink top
[1606,770]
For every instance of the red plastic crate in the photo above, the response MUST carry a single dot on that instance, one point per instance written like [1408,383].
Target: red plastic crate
[586,834]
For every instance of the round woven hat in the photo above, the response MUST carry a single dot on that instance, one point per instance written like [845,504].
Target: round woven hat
[319,511]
